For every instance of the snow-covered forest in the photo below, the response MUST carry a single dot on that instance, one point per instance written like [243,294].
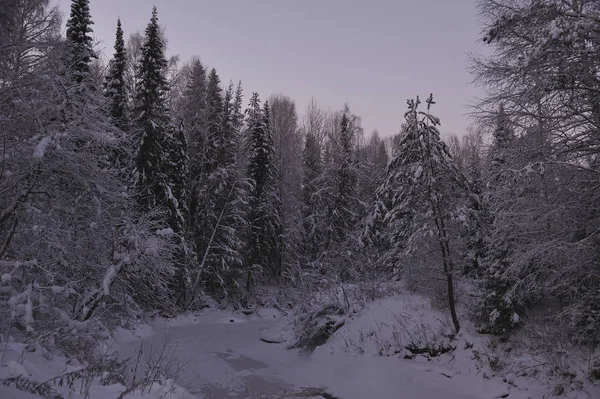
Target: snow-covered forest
[145,191]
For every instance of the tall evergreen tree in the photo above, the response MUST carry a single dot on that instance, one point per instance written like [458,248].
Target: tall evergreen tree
[228,107]
[114,84]
[156,174]
[343,179]
[161,161]
[214,121]
[193,115]
[80,42]
[229,139]
[262,247]
[238,114]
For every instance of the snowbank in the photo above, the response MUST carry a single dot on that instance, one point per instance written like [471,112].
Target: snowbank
[32,370]
[374,356]
[386,327]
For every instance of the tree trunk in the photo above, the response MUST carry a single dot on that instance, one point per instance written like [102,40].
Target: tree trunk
[452,302]
[448,267]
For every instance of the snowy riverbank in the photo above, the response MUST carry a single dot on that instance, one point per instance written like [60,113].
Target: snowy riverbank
[220,354]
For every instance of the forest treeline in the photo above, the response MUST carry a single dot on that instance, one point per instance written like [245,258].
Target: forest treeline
[144,185]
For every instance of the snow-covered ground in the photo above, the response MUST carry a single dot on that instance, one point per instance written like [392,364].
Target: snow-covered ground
[223,357]
[35,367]
[219,354]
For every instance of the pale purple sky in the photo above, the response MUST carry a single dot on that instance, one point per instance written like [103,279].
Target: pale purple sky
[372,54]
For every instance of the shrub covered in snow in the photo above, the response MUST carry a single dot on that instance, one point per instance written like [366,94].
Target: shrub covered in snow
[316,326]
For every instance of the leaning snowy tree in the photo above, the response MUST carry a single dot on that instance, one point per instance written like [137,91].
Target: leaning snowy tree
[417,198]
[218,187]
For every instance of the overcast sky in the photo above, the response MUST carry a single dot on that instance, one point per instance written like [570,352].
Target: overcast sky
[372,54]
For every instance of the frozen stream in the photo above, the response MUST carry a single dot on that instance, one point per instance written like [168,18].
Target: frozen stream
[222,357]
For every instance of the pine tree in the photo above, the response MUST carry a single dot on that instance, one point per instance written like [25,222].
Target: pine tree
[114,85]
[262,251]
[79,40]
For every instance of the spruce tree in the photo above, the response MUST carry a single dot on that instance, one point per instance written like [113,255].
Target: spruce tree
[114,84]
[160,148]
[193,114]
[342,210]
[262,251]
[228,140]
[214,121]
[238,114]
[161,160]
[79,41]
[228,108]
